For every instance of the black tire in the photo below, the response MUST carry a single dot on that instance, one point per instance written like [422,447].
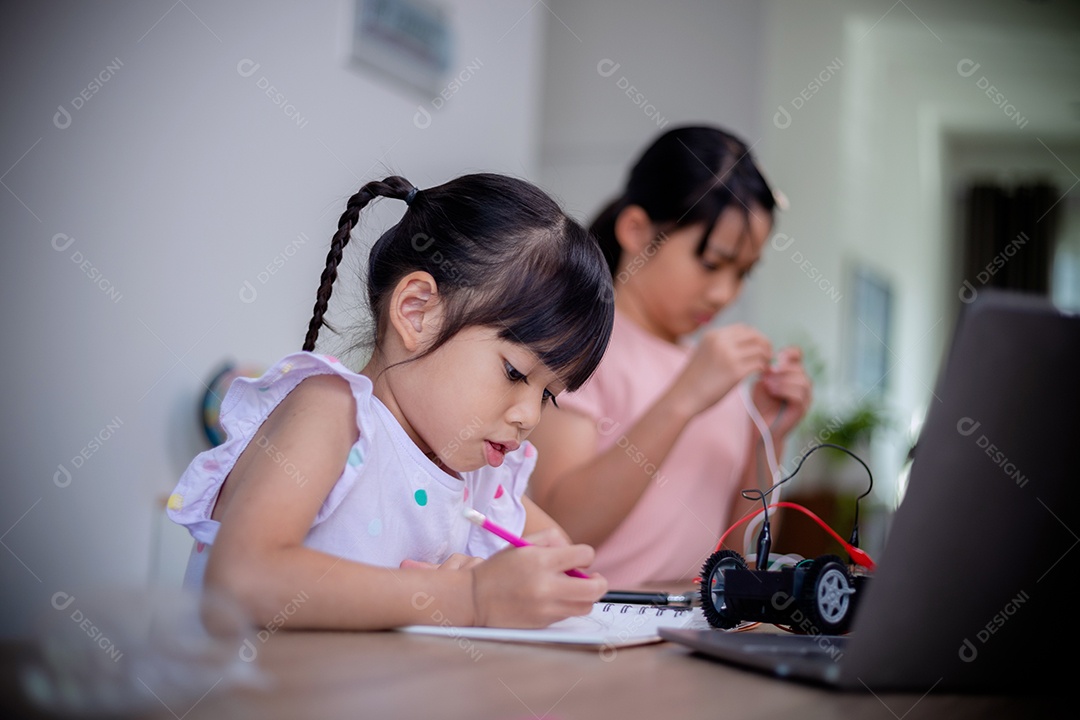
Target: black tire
[712,587]
[826,597]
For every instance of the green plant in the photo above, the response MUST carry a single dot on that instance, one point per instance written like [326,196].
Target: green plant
[848,427]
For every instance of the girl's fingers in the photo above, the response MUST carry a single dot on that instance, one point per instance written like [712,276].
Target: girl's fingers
[548,537]
[561,557]
[581,595]
[575,556]
[789,356]
[457,561]
[460,562]
[793,386]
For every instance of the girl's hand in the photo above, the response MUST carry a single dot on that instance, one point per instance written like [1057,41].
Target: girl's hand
[723,358]
[528,587]
[457,561]
[786,382]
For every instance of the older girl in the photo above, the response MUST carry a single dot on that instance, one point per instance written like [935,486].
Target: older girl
[646,461]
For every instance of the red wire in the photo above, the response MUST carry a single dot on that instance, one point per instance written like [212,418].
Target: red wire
[858,556]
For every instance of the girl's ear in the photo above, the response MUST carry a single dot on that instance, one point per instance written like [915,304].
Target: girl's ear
[415,311]
[634,230]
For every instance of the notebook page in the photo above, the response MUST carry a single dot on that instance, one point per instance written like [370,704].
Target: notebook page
[608,625]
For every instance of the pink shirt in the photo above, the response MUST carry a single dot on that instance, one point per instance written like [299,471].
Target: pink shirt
[678,520]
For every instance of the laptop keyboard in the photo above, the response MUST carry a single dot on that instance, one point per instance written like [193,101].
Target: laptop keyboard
[797,646]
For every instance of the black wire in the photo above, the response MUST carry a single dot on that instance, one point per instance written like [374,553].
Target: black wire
[756,494]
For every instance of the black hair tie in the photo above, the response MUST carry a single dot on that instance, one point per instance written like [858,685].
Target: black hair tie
[411,195]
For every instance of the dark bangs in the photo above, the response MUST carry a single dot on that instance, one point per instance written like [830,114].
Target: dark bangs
[556,301]
[568,325]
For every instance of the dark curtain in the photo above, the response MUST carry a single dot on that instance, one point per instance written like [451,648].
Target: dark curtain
[1009,236]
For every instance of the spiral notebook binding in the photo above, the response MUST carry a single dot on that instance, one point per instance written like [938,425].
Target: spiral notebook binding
[644,609]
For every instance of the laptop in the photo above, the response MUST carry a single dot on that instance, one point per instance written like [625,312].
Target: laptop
[972,591]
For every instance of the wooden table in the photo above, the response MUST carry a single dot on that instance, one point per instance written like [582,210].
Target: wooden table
[395,675]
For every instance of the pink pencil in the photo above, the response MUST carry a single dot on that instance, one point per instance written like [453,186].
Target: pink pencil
[478,518]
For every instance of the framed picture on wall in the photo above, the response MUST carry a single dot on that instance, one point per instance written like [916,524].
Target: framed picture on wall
[409,41]
[870,332]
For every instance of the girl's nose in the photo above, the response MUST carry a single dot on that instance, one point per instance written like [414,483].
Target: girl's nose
[525,411]
[723,288]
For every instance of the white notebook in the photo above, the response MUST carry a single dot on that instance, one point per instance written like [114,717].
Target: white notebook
[608,625]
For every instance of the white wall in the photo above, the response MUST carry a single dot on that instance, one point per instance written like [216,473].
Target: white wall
[176,182]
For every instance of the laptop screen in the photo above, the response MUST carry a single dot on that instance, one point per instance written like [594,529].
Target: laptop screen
[971,586]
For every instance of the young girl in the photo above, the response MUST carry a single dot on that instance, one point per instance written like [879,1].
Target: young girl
[341,494]
[647,460]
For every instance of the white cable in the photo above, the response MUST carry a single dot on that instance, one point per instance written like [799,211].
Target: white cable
[763,428]
[770,456]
